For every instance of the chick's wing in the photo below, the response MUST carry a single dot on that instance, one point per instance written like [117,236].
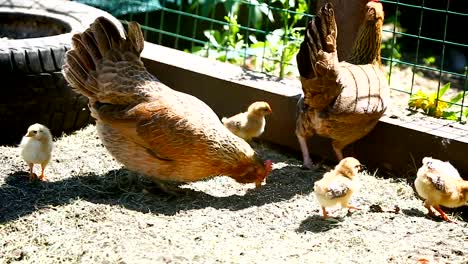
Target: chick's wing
[337,190]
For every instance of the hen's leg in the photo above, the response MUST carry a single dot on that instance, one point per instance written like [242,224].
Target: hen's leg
[31,173]
[169,188]
[307,162]
[338,148]
[304,129]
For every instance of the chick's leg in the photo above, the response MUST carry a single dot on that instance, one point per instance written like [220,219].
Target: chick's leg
[428,205]
[442,213]
[31,173]
[43,177]
[349,206]
[324,213]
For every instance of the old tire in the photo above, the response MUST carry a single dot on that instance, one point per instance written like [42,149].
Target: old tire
[33,40]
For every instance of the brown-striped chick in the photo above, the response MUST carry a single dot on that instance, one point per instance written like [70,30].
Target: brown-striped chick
[338,185]
[439,183]
[36,148]
[250,124]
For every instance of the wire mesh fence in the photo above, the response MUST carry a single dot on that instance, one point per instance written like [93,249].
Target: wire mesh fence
[424,46]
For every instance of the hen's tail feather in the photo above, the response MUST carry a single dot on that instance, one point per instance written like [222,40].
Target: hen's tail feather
[320,36]
[101,40]
[136,37]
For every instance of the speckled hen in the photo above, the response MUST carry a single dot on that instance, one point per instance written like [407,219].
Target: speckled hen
[342,100]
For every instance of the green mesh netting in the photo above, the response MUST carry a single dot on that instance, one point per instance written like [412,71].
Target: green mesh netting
[123,7]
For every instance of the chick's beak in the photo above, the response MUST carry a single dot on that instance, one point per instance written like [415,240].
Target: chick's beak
[361,168]
[29,134]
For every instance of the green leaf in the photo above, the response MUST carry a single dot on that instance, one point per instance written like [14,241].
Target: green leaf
[442,90]
[210,35]
[451,115]
[457,98]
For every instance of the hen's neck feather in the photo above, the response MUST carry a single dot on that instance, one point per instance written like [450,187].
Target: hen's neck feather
[366,48]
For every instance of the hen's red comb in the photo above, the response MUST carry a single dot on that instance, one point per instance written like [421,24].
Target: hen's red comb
[377,1]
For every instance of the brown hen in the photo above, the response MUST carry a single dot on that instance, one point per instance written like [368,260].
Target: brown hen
[342,100]
[149,127]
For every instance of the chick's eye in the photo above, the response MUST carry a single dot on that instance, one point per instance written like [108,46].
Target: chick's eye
[34,132]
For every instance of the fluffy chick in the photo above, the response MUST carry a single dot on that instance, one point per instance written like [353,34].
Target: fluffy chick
[338,185]
[439,183]
[36,148]
[250,124]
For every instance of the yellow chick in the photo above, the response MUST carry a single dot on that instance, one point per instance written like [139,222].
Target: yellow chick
[439,183]
[36,148]
[338,185]
[249,124]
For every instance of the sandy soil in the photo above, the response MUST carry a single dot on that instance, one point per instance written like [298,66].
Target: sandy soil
[93,211]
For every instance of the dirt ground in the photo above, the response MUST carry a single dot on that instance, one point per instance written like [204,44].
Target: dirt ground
[92,210]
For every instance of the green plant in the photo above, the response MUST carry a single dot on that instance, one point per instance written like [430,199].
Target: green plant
[429,60]
[290,49]
[257,10]
[432,104]
[277,55]
[390,47]
[390,50]
[277,51]
[227,43]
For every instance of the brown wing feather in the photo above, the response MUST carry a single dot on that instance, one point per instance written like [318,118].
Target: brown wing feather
[318,60]
[166,130]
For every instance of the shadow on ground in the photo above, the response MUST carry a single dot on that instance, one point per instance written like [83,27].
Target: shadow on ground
[19,197]
[316,224]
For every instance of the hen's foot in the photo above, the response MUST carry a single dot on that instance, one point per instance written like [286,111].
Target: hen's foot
[171,189]
[308,165]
